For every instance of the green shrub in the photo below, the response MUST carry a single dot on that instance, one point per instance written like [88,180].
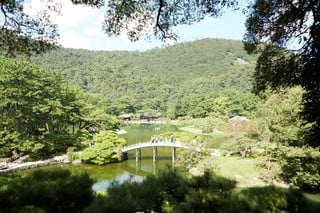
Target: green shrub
[302,168]
[107,148]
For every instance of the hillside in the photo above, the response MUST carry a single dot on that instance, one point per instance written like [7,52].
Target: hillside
[157,78]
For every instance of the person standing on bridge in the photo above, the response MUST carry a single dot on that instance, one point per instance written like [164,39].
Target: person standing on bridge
[153,139]
[161,139]
[171,139]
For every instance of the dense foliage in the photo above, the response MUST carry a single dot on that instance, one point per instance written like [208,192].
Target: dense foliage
[278,134]
[301,167]
[275,27]
[197,79]
[45,191]
[41,114]
[287,129]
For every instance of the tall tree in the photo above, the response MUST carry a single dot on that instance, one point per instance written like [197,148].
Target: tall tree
[40,113]
[273,27]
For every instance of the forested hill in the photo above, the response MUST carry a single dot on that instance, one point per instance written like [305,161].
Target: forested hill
[154,79]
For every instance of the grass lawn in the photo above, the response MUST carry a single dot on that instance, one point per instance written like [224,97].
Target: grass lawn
[217,139]
[313,197]
[247,174]
[244,171]
[214,139]
[191,129]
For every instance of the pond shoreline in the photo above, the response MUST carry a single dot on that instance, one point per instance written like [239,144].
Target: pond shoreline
[13,167]
[146,122]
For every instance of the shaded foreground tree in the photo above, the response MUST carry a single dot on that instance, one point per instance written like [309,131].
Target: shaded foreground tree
[273,27]
[170,192]
[60,191]
[45,191]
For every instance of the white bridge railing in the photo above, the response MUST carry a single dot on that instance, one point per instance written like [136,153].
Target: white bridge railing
[154,145]
[148,144]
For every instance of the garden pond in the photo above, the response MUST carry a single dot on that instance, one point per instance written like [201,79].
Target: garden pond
[129,169]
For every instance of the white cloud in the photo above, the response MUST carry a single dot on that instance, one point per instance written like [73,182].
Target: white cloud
[92,31]
[81,27]
[75,15]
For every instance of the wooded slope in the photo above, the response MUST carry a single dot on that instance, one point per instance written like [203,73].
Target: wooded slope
[155,78]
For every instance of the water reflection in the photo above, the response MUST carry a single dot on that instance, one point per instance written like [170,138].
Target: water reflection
[125,177]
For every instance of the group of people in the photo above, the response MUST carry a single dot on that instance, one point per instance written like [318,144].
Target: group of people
[161,139]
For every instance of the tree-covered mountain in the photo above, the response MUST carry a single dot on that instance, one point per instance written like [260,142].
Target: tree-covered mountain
[180,76]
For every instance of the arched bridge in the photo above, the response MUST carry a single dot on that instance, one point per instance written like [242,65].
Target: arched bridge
[155,145]
[176,144]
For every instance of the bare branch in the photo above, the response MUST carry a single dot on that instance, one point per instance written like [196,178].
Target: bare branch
[158,25]
[5,15]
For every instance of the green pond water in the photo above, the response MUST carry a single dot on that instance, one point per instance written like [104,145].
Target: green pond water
[129,169]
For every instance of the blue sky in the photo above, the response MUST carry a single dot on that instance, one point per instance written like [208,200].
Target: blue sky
[81,27]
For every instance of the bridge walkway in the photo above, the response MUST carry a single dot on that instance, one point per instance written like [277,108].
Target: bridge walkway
[154,145]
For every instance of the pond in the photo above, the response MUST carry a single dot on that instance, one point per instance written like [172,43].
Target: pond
[129,169]
[143,133]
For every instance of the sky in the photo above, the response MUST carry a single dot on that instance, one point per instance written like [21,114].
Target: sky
[81,27]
